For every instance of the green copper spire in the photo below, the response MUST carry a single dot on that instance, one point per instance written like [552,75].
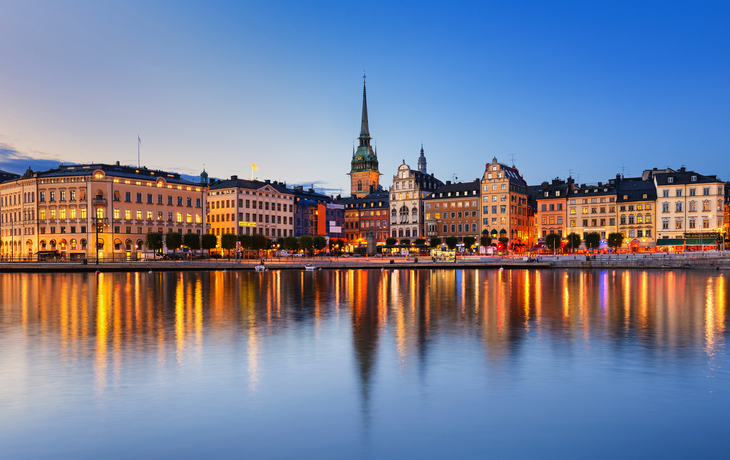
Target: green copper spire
[364,128]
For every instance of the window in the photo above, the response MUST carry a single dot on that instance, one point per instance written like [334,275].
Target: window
[127,214]
[665,223]
[678,206]
[678,224]
[670,180]
[149,198]
[679,192]
[692,192]
[139,198]
[706,191]
[665,193]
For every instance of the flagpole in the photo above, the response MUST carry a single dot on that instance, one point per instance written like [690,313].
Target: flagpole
[139,141]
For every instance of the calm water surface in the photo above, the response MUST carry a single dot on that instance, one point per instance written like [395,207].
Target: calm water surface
[364,364]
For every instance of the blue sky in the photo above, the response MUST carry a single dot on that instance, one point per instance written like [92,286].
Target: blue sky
[591,87]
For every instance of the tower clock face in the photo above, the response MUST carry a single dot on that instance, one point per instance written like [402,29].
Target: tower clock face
[359,157]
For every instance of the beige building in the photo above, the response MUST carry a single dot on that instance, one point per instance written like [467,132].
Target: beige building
[409,189]
[65,212]
[636,201]
[688,205]
[250,206]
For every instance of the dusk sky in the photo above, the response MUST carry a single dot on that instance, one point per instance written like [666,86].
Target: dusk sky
[591,87]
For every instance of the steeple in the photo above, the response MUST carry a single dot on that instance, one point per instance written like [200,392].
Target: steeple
[364,174]
[364,128]
[422,162]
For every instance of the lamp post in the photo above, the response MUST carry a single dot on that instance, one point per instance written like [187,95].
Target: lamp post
[96,246]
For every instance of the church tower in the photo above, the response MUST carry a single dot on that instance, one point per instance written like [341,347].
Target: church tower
[364,174]
[422,162]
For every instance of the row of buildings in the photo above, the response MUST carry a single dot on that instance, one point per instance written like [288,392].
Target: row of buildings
[73,209]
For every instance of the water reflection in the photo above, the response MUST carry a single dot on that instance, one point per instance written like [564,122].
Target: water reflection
[117,323]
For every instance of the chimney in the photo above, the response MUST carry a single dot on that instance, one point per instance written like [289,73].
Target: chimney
[117,163]
[448,182]
[234,177]
[268,181]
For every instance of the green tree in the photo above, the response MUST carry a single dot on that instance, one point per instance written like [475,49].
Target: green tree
[259,242]
[420,241]
[451,242]
[290,243]
[173,240]
[405,242]
[469,241]
[319,242]
[592,239]
[154,241]
[391,241]
[434,242]
[191,241]
[615,240]
[573,241]
[228,242]
[552,241]
[485,239]
[504,241]
[208,242]
[306,243]
[246,241]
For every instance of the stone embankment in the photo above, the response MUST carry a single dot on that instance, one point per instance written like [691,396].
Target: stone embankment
[713,262]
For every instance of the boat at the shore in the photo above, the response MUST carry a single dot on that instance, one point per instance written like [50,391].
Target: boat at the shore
[309,267]
[260,268]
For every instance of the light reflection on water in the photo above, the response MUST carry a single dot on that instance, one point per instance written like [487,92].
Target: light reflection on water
[364,364]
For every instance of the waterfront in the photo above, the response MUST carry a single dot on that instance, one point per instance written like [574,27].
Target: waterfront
[364,364]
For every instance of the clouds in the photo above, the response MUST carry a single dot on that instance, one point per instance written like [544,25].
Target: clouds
[13,161]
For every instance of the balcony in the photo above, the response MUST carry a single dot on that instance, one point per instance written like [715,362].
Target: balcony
[98,200]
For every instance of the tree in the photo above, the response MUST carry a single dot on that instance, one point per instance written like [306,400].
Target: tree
[245,241]
[615,240]
[451,242]
[154,241]
[336,245]
[420,241]
[306,243]
[485,239]
[592,239]
[391,241]
[208,241]
[191,241]
[173,240]
[469,241]
[405,242]
[434,242]
[290,243]
[259,242]
[573,241]
[319,242]
[553,241]
[228,242]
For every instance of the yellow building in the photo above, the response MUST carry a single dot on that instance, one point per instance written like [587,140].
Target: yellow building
[506,211]
[592,209]
[66,211]
[636,201]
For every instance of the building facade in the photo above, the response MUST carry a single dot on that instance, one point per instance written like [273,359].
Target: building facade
[506,212]
[592,209]
[688,203]
[636,201]
[366,220]
[364,174]
[241,207]
[552,209]
[70,210]
[453,210]
[407,193]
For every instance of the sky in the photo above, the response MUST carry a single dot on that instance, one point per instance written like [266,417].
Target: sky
[590,89]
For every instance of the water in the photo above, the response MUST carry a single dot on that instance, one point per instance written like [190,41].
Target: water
[363,364]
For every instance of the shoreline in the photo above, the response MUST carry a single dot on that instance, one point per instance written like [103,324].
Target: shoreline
[159,266]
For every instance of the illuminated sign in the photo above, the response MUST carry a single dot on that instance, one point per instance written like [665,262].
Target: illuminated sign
[247,224]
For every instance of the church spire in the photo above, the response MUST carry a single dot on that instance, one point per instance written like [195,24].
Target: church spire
[422,162]
[364,128]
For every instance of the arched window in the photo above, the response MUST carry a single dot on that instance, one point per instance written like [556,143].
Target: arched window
[403,215]
[359,186]
[83,244]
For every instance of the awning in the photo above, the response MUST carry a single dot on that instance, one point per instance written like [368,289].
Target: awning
[701,241]
[670,242]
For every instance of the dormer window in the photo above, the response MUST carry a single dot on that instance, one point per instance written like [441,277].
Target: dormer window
[644,196]
[694,178]
[670,180]
[557,193]
[626,197]
[546,194]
